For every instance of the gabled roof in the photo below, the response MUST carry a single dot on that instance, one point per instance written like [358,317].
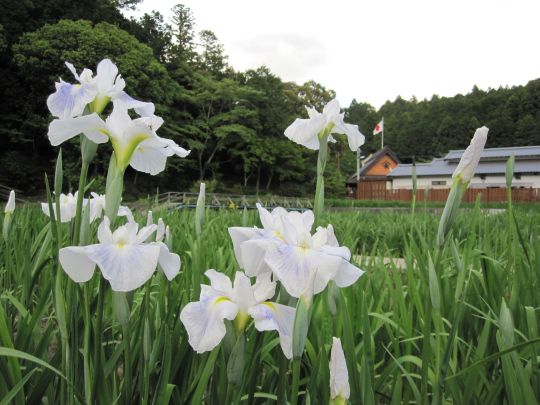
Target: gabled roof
[372,160]
[520,152]
[492,161]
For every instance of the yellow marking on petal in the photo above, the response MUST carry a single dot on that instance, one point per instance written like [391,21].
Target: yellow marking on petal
[240,321]
[304,247]
[99,104]
[326,131]
[221,299]
[124,153]
[121,244]
[278,235]
[270,305]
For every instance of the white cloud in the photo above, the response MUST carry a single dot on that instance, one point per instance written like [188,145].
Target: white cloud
[290,55]
[376,50]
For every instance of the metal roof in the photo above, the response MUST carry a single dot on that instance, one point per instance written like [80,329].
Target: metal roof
[523,152]
[443,167]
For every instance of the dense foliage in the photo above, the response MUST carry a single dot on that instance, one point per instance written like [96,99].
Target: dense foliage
[486,291]
[232,121]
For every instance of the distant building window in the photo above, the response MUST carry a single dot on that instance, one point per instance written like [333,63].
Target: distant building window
[483,176]
[438,183]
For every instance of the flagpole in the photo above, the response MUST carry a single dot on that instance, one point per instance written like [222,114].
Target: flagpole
[358,153]
[382,135]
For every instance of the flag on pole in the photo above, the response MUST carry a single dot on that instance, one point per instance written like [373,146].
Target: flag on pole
[379,127]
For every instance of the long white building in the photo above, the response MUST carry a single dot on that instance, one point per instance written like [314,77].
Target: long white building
[490,173]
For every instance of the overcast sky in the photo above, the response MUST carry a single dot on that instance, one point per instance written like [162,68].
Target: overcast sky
[376,50]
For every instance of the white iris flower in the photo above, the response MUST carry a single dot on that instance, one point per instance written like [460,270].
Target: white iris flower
[134,141]
[204,320]
[68,207]
[97,207]
[107,85]
[168,262]
[250,256]
[299,260]
[125,257]
[308,132]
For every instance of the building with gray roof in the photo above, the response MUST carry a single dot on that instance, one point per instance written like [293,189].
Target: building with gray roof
[490,172]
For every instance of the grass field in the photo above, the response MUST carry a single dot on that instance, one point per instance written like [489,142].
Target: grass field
[457,325]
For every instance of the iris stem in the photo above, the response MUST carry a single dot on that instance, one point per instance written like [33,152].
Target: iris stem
[114,188]
[145,351]
[295,380]
[229,394]
[97,339]
[426,341]
[282,382]
[80,196]
[86,351]
[253,365]
[318,205]
[127,363]
[426,351]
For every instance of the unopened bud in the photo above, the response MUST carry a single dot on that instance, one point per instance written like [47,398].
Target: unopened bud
[10,206]
[470,158]
[199,210]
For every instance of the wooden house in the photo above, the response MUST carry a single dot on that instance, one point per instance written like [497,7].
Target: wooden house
[373,174]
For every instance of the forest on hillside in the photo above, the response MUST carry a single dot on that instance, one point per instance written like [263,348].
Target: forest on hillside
[232,121]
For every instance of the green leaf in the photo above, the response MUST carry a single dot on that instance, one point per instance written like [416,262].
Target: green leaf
[434,289]
[18,387]
[203,378]
[492,357]
[8,352]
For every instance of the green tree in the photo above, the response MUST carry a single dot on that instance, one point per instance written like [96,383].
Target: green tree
[526,130]
[19,17]
[183,32]
[278,159]
[221,113]
[365,116]
[152,30]
[212,58]
[311,94]
[39,58]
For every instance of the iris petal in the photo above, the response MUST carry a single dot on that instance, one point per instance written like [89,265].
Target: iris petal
[168,261]
[305,131]
[238,236]
[204,321]
[273,316]
[76,263]
[125,267]
[60,130]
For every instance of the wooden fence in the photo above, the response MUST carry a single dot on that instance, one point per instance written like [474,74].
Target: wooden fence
[529,195]
[4,193]
[215,200]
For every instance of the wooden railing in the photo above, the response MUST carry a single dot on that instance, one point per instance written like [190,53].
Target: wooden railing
[215,200]
[529,195]
[4,193]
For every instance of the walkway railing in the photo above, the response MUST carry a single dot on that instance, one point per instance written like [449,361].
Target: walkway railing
[216,200]
[4,193]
